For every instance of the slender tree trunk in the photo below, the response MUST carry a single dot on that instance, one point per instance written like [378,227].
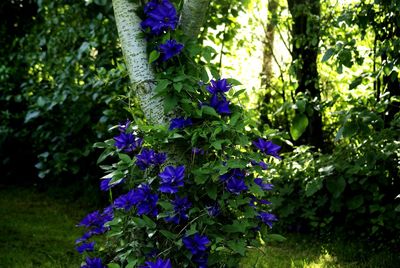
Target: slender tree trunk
[134,51]
[193,16]
[305,39]
[268,50]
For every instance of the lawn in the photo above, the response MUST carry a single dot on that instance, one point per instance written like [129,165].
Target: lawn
[39,231]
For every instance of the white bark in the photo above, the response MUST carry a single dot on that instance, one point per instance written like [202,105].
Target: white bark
[139,70]
[193,16]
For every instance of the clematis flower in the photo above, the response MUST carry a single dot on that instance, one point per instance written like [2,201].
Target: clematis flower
[159,263]
[263,185]
[267,147]
[196,243]
[145,158]
[105,184]
[213,210]
[262,164]
[122,127]
[142,198]
[169,49]
[235,186]
[127,142]
[220,104]
[161,16]
[181,205]
[267,218]
[159,158]
[93,263]
[85,247]
[180,123]
[171,179]
[218,86]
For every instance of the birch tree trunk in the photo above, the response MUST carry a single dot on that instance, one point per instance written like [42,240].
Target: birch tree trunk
[139,70]
[193,15]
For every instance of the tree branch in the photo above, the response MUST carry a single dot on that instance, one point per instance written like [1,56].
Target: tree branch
[192,17]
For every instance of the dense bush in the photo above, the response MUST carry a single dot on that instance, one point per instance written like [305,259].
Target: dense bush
[353,190]
[61,76]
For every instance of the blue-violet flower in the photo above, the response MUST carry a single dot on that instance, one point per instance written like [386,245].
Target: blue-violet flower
[171,179]
[169,49]
[196,243]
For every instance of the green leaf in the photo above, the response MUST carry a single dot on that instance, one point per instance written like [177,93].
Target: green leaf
[299,125]
[238,246]
[170,102]
[149,222]
[212,191]
[209,110]
[125,158]
[275,237]
[113,265]
[168,234]
[104,155]
[178,86]
[336,186]
[328,54]
[31,115]
[161,85]
[313,186]
[154,55]
[355,202]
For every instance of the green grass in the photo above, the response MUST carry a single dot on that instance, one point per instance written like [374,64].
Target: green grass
[39,231]
[303,251]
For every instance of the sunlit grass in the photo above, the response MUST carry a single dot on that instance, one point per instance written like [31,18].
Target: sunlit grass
[302,251]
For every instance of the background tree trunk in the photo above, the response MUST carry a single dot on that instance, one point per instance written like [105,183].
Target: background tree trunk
[305,39]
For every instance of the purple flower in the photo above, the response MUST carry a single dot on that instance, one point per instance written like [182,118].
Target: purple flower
[267,147]
[180,123]
[233,173]
[145,158]
[181,205]
[201,259]
[148,204]
[127,142]
[93,263]
[262,164]
[235,186]
[122,127]
[214,210]
[196,243]
[161,16]
[263,185]
[92,219]
[128,200]
[85,247]
[254,200]
[220,104]
[170,49]
[142,197]
[105,184]
[171,179]
[159,158]
[267,218]
[218,86]
[159,263]
[197,151]
[97,219]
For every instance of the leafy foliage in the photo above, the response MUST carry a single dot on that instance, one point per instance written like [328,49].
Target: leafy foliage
[70,78]
[203,204]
